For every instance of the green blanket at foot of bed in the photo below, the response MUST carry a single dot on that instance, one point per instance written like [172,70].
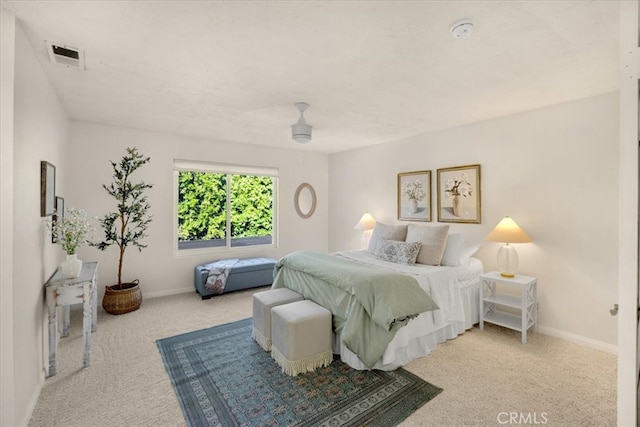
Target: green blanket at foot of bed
[369,304]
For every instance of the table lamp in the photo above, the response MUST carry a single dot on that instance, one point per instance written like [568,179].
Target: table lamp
[507,231]
[367,223]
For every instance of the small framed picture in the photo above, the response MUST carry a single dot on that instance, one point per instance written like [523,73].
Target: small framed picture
[414,196]
[459,194]
[57,214]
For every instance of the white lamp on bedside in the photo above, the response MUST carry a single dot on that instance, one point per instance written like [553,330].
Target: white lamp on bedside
[507,231]
[367,223]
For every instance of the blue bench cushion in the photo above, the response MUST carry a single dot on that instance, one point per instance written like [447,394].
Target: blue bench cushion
[246,274]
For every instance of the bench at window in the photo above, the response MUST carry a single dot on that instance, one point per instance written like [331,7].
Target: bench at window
[246,274]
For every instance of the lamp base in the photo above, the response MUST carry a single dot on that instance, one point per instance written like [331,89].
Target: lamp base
[507,261]
[366,237]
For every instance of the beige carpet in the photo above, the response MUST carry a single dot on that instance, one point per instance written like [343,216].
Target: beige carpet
[489,378]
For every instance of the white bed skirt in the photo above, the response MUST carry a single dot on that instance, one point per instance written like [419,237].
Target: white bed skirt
[421,335]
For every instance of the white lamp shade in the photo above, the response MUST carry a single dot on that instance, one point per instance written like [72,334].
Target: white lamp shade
[367,222]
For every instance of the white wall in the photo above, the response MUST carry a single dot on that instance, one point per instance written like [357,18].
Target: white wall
[40,132]
[7,73]
[160,271]
[554,170]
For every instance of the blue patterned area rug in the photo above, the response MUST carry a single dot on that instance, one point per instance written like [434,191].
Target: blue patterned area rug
[223,378]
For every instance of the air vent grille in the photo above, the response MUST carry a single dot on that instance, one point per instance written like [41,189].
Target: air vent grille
[65,55]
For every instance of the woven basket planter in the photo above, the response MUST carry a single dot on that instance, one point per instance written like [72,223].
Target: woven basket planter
[121,301]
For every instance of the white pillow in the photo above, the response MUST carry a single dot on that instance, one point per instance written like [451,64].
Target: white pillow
[453,251]
[468,250]
[433,239]
[386,232]
[398,252]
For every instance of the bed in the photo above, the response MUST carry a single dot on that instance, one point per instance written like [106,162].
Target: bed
[422,334]
[453,288]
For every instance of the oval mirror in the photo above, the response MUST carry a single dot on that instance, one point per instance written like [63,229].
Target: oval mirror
[305,200]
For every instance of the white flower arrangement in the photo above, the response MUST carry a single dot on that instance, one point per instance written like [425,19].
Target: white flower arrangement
[459,186]
[72,230]
[414,190]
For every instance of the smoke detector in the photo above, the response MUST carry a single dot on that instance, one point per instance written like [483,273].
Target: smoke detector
[462,29]
[68,56]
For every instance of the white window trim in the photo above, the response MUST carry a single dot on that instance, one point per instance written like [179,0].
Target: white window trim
[180,165]
[200,166]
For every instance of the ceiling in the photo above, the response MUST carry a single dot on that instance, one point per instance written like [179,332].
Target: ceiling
[372,71]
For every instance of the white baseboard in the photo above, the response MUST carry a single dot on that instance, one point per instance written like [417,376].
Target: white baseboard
[33,400]
[578,339]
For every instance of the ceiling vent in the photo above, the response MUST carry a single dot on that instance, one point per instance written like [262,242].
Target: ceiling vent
[65,55]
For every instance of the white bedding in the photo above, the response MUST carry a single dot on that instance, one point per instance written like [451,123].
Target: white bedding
[454,289]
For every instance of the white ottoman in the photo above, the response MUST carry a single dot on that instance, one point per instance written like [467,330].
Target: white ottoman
[263,302]
[301,334]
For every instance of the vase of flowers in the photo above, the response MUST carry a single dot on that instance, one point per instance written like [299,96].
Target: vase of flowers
[71,231]
[457,188]
[414,191]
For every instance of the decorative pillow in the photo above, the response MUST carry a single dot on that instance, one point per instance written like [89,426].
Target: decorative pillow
[453,250]
[386,232]
[398,252]
[433,239]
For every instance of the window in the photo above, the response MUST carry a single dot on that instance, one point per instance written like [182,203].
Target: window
[224,206]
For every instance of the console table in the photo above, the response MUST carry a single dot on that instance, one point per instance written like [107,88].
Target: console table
[63,292]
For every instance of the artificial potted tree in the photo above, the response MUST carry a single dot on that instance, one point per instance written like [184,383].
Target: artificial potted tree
[125,227]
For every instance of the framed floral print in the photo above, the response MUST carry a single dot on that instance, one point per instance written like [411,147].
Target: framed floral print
[459,194]
[414,196]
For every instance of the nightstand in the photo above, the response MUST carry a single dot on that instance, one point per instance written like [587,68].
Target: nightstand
[493,303]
